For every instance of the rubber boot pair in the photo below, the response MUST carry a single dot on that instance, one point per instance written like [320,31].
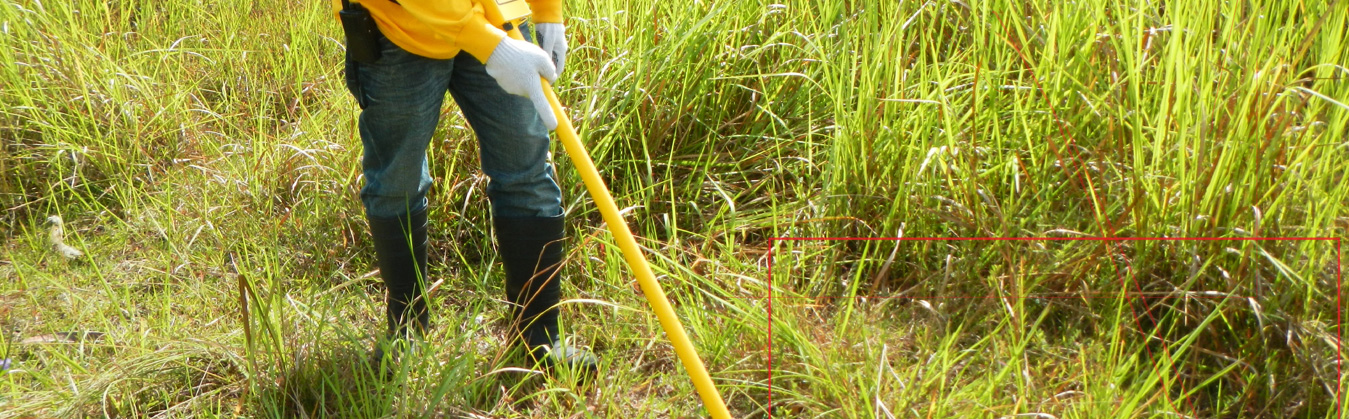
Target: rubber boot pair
[531,250]
[400,247]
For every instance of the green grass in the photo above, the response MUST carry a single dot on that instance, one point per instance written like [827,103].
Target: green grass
[204,156]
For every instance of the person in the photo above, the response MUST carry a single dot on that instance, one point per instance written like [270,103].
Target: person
[428,48]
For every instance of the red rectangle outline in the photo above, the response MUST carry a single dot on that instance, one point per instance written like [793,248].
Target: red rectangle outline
[1339,284]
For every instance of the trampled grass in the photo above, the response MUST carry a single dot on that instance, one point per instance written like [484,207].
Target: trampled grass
[203,155]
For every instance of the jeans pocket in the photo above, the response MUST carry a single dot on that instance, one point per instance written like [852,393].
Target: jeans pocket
[353,68]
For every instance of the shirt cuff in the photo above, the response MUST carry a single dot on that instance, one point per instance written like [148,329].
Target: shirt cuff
[480,38]
[546,11]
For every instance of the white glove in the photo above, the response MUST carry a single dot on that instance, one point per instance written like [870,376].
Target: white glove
[554,37]
[517,66]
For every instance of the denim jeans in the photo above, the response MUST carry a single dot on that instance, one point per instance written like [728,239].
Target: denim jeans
[400,96]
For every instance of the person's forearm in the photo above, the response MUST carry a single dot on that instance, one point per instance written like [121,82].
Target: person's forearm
[457,22]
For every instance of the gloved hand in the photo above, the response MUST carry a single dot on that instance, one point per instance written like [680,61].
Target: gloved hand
[517,66]
[553,37]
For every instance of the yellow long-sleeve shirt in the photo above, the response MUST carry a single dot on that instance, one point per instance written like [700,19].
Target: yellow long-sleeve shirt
[441,28]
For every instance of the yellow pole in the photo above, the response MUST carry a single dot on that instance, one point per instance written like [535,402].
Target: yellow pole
[633,254]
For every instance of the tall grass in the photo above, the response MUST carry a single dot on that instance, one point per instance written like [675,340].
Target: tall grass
[204,156]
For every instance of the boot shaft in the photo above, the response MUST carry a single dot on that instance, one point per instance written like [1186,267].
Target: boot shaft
[531,251]
[400,247]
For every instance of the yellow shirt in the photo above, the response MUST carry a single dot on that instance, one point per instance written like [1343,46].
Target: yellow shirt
[441,28]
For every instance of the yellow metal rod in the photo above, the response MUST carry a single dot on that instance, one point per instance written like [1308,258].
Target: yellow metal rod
[633,254]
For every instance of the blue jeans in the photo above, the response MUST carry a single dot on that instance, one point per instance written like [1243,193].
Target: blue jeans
[400,98]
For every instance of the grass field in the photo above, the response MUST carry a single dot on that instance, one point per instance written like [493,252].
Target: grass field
[204,157]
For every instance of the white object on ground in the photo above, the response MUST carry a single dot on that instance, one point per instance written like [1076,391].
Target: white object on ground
[56,235]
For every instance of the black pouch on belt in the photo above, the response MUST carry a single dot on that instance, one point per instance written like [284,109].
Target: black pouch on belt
[361,31]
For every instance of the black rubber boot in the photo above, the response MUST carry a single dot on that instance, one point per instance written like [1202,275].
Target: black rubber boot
[400,247]
[531,250]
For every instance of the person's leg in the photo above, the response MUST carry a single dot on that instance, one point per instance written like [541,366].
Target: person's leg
[400,96]
[526,205]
